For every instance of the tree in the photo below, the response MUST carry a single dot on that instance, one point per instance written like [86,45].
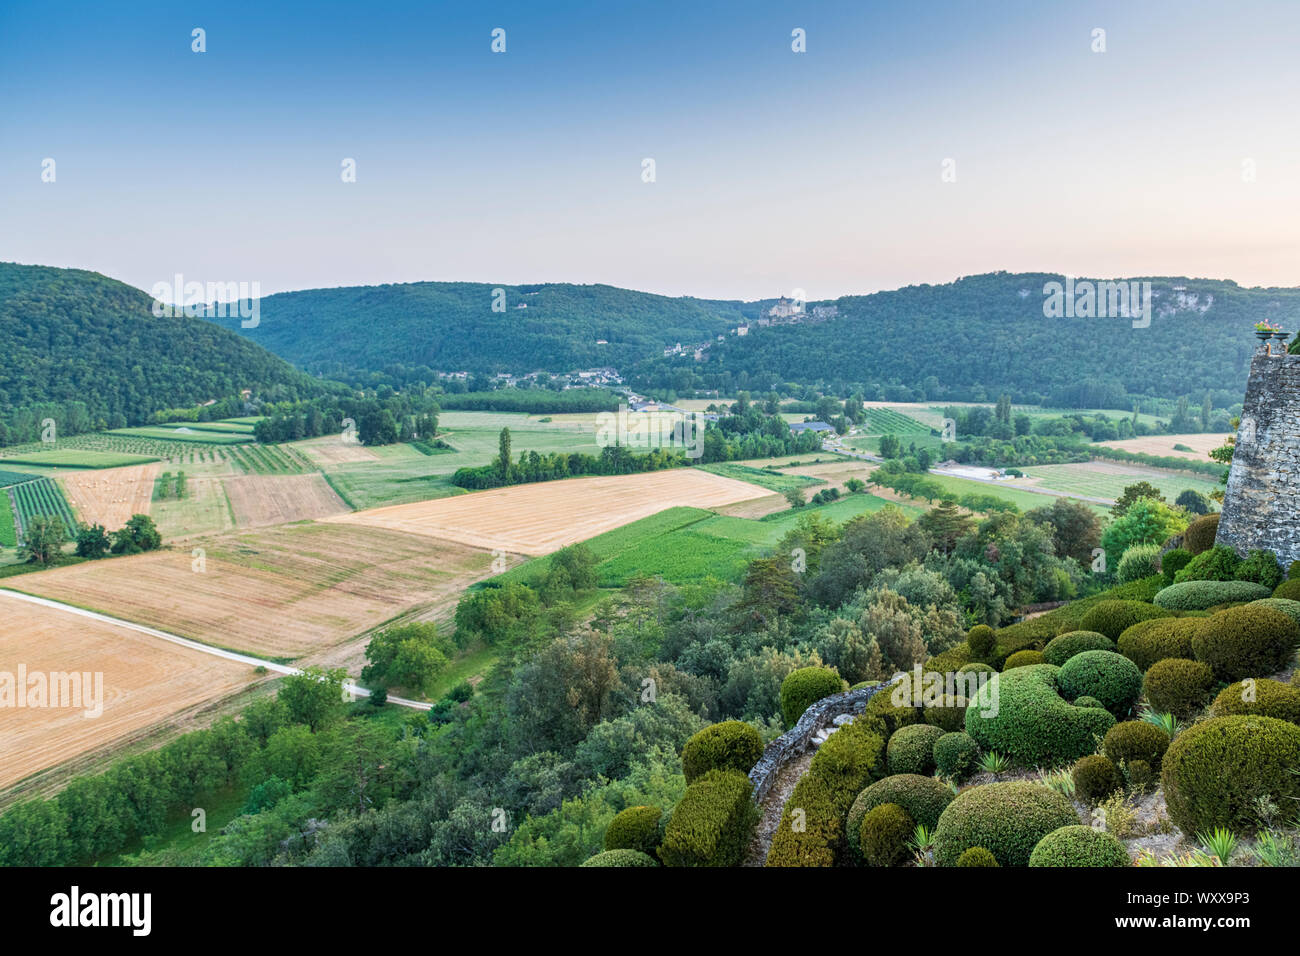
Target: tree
[945,523]
[562,692]
[1194,502]
[43,539]
[137,535]
[410,656]
[503,454]
[794,496]
[1075,528]
[1132,493]
[92,541]
[315,697]
[890,446]
[1145,522]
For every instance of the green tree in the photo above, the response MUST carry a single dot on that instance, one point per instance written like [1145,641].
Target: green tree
[794,496]
[315,697]
[92,541]
[1145,522]
[1136,492]
[503,454]
[890,446]
[137,535]
[43,539]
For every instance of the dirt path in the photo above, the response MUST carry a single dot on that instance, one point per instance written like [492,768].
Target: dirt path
[772,807]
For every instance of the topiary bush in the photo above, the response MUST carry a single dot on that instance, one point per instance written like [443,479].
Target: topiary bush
[1078,845]
[1216,770]
[1219,563]
[1246,641]
[1176,686]
[1200,534]
[1113,618]
[1021,714]
[1173,561]
[1061,649]
[1086,701]
[1264,697]
[1140,561]
[956,755]
[924,799]
[729,745]
[1290,608]
[1007,819]
[982,642]
[1023,659]
[712,823]
[804,687]
[911,749]
[1261,567]
[636,828]
[1106,676]
[884,833]
[1141,775]
[977,668]
[1202,595]
[620,858]
[1096,778]
[1288,589]
[977,856]
[893,716]
[1135,740]
[1149,641]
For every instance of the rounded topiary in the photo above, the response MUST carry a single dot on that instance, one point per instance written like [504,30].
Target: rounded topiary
[1141,775]
[636,828]
[1289,589]
[1216,770]
[1176,686]
[1219,563]
[1173,561]
[1135,740]
[804,687]
[1022,715]
[1007,819]
[1061,649]
[911,749]
[620,858]
[1140,561]
[884,833]
[1086,701]
[1246,642]
[1106,676]
[976,856]
[1079,845]
[1203,595]
[956,755]
[729,745]
[977,668]
[924,799]
[982,642]
[1096,778]
[892,715]
[1200,534]
[1267,698]
[1023,659]
[948,712]
[1113,618]
[1149,641]
[1290,608]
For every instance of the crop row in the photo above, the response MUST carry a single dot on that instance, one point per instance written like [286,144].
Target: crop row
[40,497]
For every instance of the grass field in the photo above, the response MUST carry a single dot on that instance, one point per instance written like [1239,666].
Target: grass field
[182,433]
[73,458]
[39,497]
[8,533]
[771,480]
[230,426]
[1107,480]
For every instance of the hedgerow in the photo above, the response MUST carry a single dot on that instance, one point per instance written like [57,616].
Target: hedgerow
[1106,676]
[1007,819]
[1177,686]
[712,823]
[1079,845]
[1061,649]
[729,745]
[1033,724]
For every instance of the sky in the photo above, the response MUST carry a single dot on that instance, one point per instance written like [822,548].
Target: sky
[909,143]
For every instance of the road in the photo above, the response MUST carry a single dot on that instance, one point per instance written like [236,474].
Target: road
[352,687]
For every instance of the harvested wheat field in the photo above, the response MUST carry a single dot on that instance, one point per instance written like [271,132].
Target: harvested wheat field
[332,450]
[1201,444]
[279,593]
[110,496]
[538,518]
[261,500]
[146,681]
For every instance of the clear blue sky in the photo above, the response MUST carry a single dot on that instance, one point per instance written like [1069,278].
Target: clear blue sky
[775,170]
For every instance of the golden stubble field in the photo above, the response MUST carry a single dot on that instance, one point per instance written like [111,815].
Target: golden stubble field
[1201,444]
[147,682]
[261,500]
[282,593]
[539,518]
[110,496]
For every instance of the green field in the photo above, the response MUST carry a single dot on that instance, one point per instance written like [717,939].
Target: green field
[771,480]
[8,534]
[184,433]
[231,426]
[78,459]
[269,459]
[1079,479]
[41,497]
[8,478]
[886,421]
[1024,500]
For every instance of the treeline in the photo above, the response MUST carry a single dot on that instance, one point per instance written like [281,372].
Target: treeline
[918,485]
[378,420]
[534,401]
[1174,462]
[534,466]
[1022,450]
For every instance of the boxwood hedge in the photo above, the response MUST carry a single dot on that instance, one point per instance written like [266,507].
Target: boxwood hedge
[1176,686]
[712,823]
[1106,676]
[1248,641]
[636,828]
[729,745]
[1149,641]
[1113,618]
[1061,649]
[1135,740]
[1007,819]
[1201,595]
[1264,697]
[924,799]
[1078,845]
[884,833]
[911,749]
[804,687]
[1022,714]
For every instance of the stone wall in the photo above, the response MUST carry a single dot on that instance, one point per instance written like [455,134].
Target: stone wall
[799,738]
[1261,508]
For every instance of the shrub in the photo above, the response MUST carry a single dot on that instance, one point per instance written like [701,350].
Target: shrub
[911,749]
[1267,698]
[1113,618]
[1077,845]
[1176,686]
[977,856]
[730,745]
[1219,563]
[1140,561]
[1086,701]
[1289,589]
[1135,740]
[884,833]
[1215,771]
[1023,659]
[948,712]
[957,754]
[804,687]
[1261,567]
[1096,778]
[712,823]
[1007,819]
[1201,595]
[894,717]
[1173,561]
[1200,534]
[620,858]
[982,642]
[1033,724]
[1245,642]
[924,799]
[977,669]
[1061,649]
[636,828]
[1290,608]
[1141,775]
[1106,676]
[1149,641]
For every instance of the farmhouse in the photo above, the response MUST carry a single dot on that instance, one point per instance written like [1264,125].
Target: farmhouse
[799,427]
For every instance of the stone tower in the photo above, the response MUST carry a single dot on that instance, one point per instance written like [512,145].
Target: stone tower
[1261,508]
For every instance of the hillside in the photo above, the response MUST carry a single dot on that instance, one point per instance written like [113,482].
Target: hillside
[450,326]
[83,349]
[981,335]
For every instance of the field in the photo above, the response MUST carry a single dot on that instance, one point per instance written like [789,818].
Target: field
[539,518]
[332,451]
[1201,445]
[191,432]
[259,500]
[279,593]
[39,497]
[1103,479]
[146,681]
[78,458]
[890,421]
[110,497]
[771,480]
